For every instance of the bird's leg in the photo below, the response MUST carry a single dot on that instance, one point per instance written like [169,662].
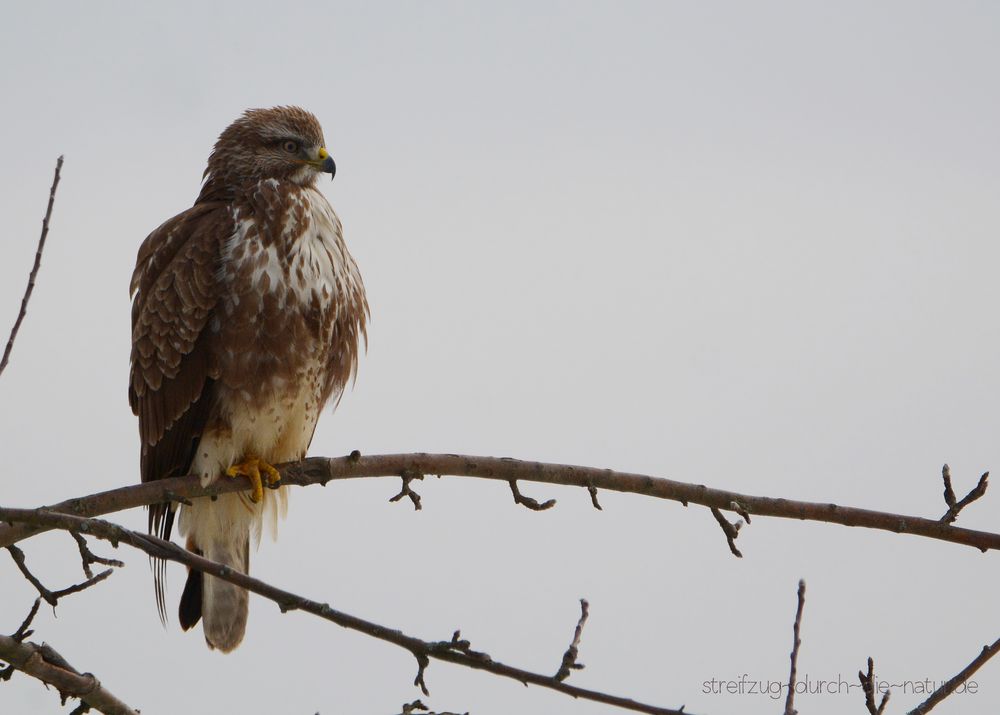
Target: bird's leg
[251,467]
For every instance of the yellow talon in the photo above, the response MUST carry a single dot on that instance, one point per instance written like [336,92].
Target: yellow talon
[251,468]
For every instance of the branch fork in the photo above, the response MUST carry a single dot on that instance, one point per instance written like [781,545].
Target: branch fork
[955,506]
[407,475]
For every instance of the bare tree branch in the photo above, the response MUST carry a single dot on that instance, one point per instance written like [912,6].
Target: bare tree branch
[34,269]
[45,664]
[967,672]
[796,642]
[455,651]
[320,470]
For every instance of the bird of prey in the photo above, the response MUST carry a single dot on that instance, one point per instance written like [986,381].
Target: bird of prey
[247,318]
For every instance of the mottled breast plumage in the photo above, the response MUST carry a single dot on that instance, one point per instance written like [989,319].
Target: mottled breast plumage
[292,293]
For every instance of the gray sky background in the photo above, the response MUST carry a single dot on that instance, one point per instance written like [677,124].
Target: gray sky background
[752,245]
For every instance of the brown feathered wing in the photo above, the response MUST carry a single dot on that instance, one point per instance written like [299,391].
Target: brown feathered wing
[173,371]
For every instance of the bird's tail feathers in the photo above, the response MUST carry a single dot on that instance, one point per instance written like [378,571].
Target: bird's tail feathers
[220,531]
[224,606]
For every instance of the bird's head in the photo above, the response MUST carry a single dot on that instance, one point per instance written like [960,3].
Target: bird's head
[283,143]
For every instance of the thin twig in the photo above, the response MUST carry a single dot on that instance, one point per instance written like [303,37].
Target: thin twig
[457,650]
[593,497]
[796,642]
[321,470]
[949,493]
[52,597]
[869,687]
[23,631]
[528,502]
[948,688]
[569,662]
[730,530]
[34,269]
[87,557]
[955,507]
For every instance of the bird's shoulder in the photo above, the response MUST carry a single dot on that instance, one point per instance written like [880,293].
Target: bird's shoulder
[197,230]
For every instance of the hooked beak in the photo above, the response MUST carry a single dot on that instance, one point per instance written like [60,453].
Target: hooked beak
[326,163]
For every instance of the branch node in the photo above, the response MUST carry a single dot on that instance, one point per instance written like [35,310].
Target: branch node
[18,556]
[741,510]
[457,644]
[294,604]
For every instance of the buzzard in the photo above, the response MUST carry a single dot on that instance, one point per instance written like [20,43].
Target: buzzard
[247,317]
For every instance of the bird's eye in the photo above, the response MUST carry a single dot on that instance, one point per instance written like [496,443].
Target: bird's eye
[290,146]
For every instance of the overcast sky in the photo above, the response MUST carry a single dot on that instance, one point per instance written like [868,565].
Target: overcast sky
[751,245]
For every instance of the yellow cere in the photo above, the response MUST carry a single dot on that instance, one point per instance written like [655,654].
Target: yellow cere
[323,153]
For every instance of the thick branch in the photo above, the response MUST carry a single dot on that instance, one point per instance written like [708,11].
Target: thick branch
[37,661]
[454,651]
[34,269]
[320,470]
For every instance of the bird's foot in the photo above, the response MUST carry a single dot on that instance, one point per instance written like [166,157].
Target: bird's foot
[252,467]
